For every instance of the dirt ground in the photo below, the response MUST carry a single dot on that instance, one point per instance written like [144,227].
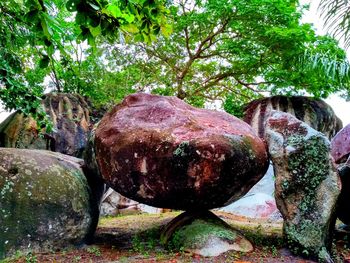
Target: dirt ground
[135,238]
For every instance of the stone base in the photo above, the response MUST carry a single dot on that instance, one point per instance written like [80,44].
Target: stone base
[203,233]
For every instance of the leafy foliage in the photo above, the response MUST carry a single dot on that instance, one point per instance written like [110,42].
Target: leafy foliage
[337,18]
[41,38]
[236,51]
[16,92]
[227,50]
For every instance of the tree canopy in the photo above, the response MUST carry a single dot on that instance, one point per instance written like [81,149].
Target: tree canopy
[41,37]
[200,51]
[237,50]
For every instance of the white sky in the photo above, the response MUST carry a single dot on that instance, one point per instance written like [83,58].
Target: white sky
[339,105]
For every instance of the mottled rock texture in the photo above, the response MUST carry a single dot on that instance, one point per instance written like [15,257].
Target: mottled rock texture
[307,184]
[203,233]
[340,149]
[315,112]
[165,153]
[340,145]
[45,201]
[69,114]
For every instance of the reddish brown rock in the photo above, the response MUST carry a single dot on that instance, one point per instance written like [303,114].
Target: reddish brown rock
[165,153]
[340,149]
[340,145]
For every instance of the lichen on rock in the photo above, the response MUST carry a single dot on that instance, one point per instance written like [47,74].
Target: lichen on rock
[45,201]
[203,233]
[307,184]
[69,114]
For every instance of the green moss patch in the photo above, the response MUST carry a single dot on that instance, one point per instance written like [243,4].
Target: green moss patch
[198,232]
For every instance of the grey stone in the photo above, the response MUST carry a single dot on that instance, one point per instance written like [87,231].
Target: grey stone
[307,183]
[45,201]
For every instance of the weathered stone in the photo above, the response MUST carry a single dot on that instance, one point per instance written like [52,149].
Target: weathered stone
[69,114]
[307,183]
[315,112]
[203,233]
[340,145]
[45,201]
[113,203]
[163,152]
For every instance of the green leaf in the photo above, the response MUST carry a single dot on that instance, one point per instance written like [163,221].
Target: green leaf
[95,31]
[50,49]
[46,28]
[138,38]
[114,10]
[128,17]
[166,30]
[91,40]
[94,6]
[131,28]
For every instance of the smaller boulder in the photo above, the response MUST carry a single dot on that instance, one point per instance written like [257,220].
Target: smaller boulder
[315,112]
[45,201]
[203,233]
[340,145]
[69,114]
[307,183]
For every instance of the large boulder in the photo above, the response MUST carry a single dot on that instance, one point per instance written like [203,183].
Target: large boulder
[69,114]
[45,201]
[307,183]
[165,153]
[315,112]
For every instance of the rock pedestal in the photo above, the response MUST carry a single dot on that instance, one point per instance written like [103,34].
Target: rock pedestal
[45,201]
[203,233]
[165,153]
[307,183]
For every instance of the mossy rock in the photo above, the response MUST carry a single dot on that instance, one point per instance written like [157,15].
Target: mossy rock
[307,185]
[203,233]
[45,201]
